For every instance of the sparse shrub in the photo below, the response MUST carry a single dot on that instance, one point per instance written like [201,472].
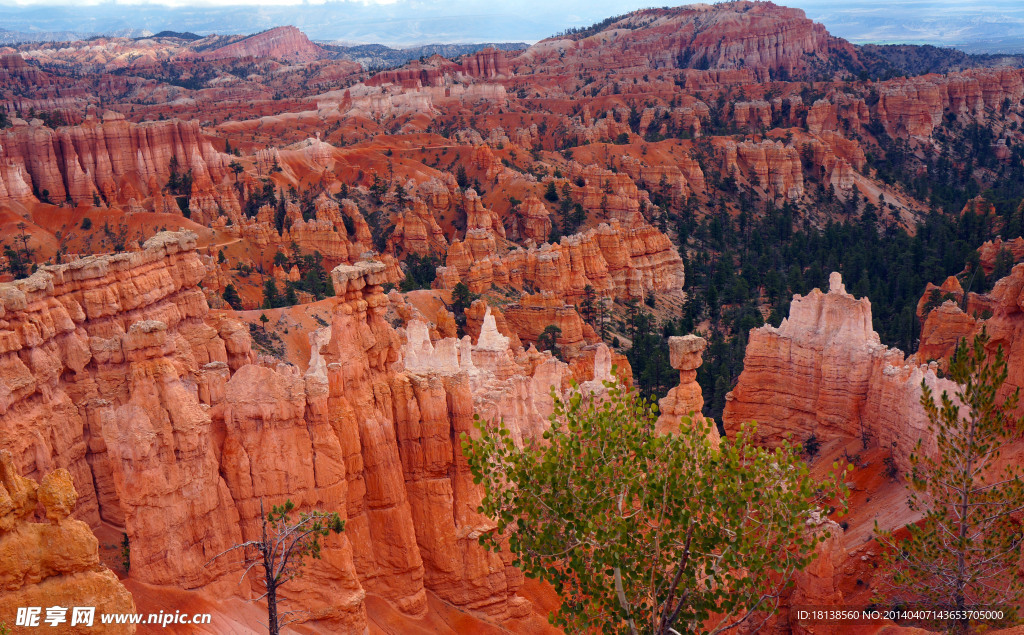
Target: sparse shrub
[126,553]
[812,446]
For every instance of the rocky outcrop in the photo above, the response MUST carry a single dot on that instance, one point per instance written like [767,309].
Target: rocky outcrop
[480,217]
[486,64]
[111,158]
[761,38]
[535,220]
[990,250]
[816,584]
[613,194]
[284,43]
[417,232]
[1000,312]
[824,372]
[678,181]
[684,400]
[534,313]
[53,562]
[616,260]
[915,107]
[771,166]
[437,71]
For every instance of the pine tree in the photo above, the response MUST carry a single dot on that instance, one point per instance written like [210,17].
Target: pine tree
[400,196]
[963,555]
[602,317]
[271,296]
[551,194]
[230,296]
[280,214]
[291,298]
[588,307]
[548,340]
[281,550]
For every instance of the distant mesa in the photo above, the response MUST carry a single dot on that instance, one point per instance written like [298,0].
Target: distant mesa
[283,42]
[181,35]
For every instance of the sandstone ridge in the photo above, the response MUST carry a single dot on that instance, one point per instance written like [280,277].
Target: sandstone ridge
[116,370]
[823,372]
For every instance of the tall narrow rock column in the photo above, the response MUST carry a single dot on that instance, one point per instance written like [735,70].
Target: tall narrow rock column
[685,355]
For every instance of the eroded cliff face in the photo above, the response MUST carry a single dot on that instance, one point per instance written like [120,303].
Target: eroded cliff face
[617,260]
[775,41]
[104,360]
[111,158]
[1000,312]
[54,560]
[116,370]
[284,43]
[489,63]
[824,372]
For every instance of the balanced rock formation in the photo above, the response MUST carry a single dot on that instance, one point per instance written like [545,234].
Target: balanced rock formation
[824,372]
[685,400]
[55,562]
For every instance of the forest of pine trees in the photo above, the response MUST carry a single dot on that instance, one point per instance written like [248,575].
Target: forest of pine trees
[738,263]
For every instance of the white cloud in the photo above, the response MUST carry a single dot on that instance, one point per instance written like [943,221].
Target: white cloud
[179,4]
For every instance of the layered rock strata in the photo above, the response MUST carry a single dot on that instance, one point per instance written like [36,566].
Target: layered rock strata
[110,158]
[116,370]
[616,260]
[824,372]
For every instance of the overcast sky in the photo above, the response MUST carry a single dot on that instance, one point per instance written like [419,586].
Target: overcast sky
[421,21]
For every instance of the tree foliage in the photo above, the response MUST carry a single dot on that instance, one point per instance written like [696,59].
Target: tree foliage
[420,272]
[231,296]
[548,340]
[642,533]
[964,553]
[462,299]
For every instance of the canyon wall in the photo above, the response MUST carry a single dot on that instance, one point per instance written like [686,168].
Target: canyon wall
[615,259]
[108,157]
[115,369]
[1000,312]
[824,372]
